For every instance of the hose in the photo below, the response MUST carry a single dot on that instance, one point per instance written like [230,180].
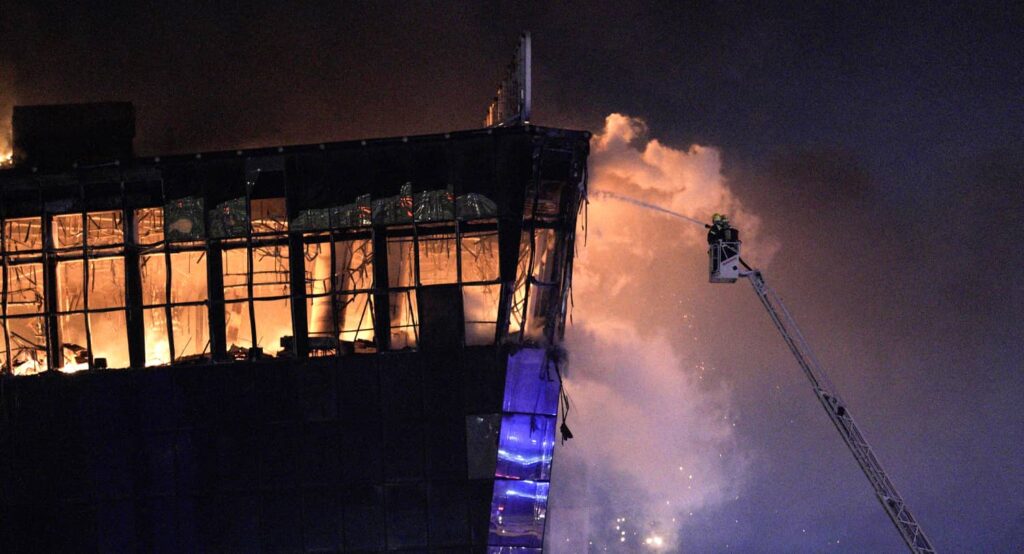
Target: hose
[642,204]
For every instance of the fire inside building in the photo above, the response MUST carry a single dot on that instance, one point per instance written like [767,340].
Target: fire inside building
[346,346]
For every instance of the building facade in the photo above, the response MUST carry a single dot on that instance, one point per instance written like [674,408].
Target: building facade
[339,347]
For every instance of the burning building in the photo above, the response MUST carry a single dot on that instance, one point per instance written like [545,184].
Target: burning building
[346,346]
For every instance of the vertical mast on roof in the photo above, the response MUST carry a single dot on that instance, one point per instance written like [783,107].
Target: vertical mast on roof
[511,104]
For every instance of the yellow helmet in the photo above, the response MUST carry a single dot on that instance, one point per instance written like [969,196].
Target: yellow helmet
[717,217]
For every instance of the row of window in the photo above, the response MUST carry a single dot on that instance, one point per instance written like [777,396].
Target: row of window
[77,293]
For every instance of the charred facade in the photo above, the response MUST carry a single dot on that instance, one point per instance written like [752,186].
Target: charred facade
[334,347]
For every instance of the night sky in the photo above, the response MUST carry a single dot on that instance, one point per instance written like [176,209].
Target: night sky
[879,152]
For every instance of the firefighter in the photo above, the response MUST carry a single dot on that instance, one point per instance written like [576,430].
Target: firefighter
[720,231]
[722,236]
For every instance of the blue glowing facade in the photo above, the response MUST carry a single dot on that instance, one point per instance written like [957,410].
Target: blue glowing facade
[525,447]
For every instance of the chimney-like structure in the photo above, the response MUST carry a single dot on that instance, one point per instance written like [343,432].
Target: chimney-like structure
[62,134]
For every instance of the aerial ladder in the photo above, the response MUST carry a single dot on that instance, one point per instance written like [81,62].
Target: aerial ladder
[726,266]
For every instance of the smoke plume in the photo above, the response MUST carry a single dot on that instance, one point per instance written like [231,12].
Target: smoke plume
[654,439]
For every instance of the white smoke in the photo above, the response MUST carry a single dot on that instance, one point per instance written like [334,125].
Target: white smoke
[654,439]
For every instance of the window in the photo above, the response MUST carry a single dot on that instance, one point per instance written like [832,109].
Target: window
[257,310]
[23,324]
[481,290]
[339,293]
[174,302]
[440,254]
[543,283]
[402,292]
[435,263]
[90,290]
[438,264]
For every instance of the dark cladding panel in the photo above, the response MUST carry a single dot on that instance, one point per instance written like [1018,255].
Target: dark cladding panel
[230,523]
[319,463]
[442,390]
[430,164]
[115,523]
[474,164]
[362,448]
[441,321]
[446,449]
[346,176]
[143,190]
[160,402]
[181,180]
[407,511]
[281,522]
[402,391]
[449,513]
[278,393]
[156,464]
[157,525]
[482,385]
[280,453]
[363,507]
[319,395]
[308,186]
[403,451]
[359,394]
[322,520]
[390,166]
[236,455]
[222,179]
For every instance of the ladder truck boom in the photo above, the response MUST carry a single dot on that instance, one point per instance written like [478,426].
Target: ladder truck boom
[726,266]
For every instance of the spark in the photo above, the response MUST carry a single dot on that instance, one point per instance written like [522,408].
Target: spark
[654,541]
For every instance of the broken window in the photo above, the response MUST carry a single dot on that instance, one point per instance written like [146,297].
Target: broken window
[543,284]
[354,275]
[480,306]
[479,256]
[23,325]
[401,264]
[23,236]
[174,302]
[320,319]
[257,310]
[517,315]
[339,303]
[269,216]
[402,298]
[437,259]
[272,305]
[235,281]
[149,226]
[433,255]
[90,290]
[479,262]
[404,317]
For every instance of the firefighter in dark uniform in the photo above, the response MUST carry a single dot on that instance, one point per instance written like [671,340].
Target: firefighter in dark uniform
[721,235]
